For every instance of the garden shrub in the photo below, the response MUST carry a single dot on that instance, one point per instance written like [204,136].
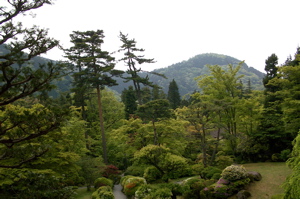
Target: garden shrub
[275,157]
[112,172]
[157,191]
[162,193]
[223,189]
[143,191]
[192,187]
[104,192]
[223,161]
[151,174]
[34,184]
[131,184]
[208,172]
[234,172]
[285,154]
[197,168]
[99,182]
[136,170]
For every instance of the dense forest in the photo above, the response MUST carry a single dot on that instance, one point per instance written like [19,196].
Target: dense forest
[84,134]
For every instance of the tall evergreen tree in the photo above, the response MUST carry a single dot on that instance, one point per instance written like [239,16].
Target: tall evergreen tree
[98,68]
[132,61]
[271,129]
[173,95]
[129,99]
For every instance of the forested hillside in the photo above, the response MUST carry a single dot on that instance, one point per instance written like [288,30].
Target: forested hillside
[185,72]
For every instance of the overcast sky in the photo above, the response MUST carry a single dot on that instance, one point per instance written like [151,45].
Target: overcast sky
[172,31]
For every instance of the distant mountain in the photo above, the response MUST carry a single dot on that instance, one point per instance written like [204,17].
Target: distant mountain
[62,85]
[185,72]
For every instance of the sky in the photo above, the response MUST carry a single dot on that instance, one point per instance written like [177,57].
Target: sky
[172,31]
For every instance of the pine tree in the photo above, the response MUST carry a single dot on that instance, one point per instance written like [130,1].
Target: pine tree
[20,80]
[173,95]
[129,99]
[98,68]
[271,129]
[132,61]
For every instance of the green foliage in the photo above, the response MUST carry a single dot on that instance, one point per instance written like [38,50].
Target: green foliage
[91,169]
[152,174]
[173,95]
[29,184]
[192,187]
[136,170]
[131,184]
[222,161]
[209,172]
[99,182]
[129,100]
[185,71]
[292,183]
[132,60]
[156,191]
[197,168]
[104,192]
[234,172]
[169,165]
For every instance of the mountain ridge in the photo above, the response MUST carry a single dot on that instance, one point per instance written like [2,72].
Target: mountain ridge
[186,71]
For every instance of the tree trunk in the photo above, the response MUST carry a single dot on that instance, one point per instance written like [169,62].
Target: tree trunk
[155,133]
[104,148]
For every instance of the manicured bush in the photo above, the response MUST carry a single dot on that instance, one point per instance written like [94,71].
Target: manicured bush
[223,161]
[136,170]
[285,154]
[234,172]
[131,184]
[104,192]
[197,168]
[143,191]
[208,172]
[192,187]
[162,193]
[99,182]
[151,174]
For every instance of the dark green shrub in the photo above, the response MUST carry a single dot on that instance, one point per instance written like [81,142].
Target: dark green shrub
[104,192]
[40,184]
[223,161]
[176,189]
[136,170]
[99,182]
[197,168]
[152,174]
[193,186]
[162,193]
[208,172]
[285,154]
[275,157]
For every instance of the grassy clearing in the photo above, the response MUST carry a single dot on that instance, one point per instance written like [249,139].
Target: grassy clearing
[273,176]
[82,193]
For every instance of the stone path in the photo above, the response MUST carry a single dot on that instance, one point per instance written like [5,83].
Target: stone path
[118,192]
